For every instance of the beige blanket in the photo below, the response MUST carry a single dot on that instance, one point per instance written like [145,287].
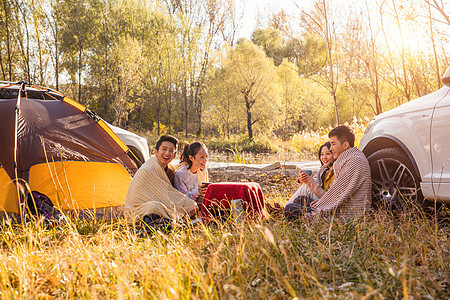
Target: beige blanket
[150,192]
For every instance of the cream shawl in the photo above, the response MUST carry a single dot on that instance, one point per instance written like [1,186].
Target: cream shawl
[150,192]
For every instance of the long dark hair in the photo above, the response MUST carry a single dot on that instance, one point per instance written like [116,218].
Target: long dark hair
[190,150]
[328,145]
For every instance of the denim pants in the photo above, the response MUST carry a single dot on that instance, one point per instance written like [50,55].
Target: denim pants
[300,206]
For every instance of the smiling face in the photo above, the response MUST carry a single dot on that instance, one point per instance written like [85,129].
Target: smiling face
[326,156]
[166,153]
[199,160]
[337,147]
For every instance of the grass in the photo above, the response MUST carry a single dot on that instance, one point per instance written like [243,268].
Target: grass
[379,256]
[376,257]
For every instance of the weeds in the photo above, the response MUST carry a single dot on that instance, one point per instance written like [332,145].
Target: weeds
[378,256]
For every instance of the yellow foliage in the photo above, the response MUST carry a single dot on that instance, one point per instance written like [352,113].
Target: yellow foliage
[311,141]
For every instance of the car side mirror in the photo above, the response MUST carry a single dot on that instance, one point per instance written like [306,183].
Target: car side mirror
[446,78]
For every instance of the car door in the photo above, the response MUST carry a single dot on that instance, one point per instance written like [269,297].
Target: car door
[440,147]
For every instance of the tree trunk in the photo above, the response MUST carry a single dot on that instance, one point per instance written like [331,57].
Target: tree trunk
[1,65]
[406,88]
[185,107]
[438,75]
[158,110]
[26,52]
[79,74]
[8,47]
[249,116]
[56,57]
[330,59]
[38,38]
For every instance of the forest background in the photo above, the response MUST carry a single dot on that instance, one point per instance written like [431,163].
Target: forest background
[180,66]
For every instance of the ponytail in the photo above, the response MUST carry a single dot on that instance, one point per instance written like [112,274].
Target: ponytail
[190,150]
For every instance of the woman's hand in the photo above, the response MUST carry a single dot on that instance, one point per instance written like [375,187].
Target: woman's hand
[202,189]
[303,177]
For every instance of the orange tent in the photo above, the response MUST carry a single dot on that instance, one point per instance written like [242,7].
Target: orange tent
[58,147]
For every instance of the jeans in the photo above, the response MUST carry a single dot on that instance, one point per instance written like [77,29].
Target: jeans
[299,207]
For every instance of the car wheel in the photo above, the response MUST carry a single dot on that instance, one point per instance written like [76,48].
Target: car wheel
[394,181]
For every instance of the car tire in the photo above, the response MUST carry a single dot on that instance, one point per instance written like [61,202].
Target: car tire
[394,180]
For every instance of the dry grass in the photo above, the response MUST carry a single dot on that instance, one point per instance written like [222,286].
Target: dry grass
[376,257]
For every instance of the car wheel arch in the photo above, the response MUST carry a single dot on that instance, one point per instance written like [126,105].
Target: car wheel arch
[386,141]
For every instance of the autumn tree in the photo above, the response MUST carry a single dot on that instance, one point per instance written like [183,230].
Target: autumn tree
[250,72]
[320,21]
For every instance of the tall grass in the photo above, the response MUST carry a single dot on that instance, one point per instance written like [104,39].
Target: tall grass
[378,256]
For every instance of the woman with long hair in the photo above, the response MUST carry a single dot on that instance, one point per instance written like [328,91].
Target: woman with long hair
[302,198]
[192,171]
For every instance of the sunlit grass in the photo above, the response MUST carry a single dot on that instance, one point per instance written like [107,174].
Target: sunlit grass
[379,255]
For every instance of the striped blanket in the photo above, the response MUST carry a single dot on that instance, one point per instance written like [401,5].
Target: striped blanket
[350,193]
[150,192]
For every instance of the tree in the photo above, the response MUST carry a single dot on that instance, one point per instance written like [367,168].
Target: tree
[76,36]
[249,72]
[290,95]
[271,41]
[319,21]
[128,53]
[5,29]
[52,19]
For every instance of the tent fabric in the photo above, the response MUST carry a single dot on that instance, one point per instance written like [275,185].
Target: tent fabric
[52,131]
[97,184]
[9,200]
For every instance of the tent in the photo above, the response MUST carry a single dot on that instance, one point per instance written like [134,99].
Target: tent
[58,147]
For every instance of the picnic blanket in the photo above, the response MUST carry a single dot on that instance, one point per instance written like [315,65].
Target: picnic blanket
[150,192]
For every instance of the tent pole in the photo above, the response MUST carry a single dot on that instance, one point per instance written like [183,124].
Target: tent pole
[16,125]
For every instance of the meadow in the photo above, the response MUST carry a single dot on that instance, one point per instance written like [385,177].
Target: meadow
[380,256]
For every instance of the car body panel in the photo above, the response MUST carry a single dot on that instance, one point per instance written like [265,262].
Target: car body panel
[402,128]
[440,150]
[419,127]
[132,140]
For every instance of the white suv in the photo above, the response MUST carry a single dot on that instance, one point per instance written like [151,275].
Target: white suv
[408,149]
[137,144]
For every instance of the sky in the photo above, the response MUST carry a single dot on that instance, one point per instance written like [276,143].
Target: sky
[249,10]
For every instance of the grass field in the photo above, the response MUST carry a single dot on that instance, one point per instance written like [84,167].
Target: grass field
[376,257]
[379,256]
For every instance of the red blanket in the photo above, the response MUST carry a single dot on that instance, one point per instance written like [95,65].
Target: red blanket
[219,195]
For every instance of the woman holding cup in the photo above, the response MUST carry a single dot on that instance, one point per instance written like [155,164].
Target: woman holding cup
[191,176]
[311,188]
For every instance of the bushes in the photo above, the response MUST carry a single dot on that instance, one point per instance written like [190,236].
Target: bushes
[242,144]
[304,142]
